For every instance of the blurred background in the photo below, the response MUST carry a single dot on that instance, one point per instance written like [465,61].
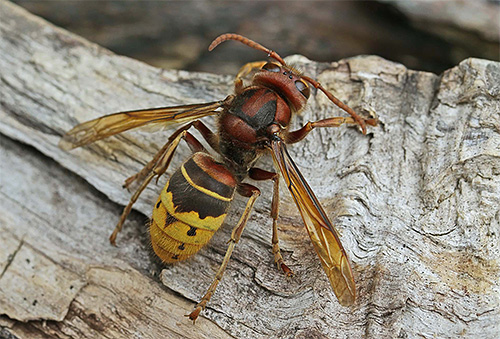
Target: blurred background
[423,35]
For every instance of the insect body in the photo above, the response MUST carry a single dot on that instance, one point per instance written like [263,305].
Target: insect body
[191,207]
[253,121]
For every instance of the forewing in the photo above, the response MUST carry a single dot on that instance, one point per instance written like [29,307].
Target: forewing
[116,123]
[321,231]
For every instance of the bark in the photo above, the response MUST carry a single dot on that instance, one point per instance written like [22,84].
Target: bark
[415,201]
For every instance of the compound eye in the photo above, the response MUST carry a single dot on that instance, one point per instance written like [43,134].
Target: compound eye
[271,67]
[303,88]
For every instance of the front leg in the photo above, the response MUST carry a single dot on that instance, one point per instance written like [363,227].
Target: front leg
[244,71]
[301,133]
[362,122]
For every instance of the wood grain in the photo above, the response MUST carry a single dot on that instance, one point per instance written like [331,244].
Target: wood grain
[415,201]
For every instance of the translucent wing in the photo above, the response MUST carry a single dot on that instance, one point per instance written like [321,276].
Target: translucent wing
[321,231]
[112,124]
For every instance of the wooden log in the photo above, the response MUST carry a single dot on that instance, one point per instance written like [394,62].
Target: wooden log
[416,203]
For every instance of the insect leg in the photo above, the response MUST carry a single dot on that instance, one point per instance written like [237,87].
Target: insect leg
[301,133]
[156,167]
[211,138]
[253,193]
[260,174]
[244,71]
[359,120]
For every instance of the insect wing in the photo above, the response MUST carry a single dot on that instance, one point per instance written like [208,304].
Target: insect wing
[116,123]
[321,231]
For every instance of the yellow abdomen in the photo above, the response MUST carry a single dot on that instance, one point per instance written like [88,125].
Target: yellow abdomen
[191,208]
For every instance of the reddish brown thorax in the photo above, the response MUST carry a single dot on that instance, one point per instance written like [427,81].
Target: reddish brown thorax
[251,113]
[275,94]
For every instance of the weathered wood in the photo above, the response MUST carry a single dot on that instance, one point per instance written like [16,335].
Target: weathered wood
[416,202]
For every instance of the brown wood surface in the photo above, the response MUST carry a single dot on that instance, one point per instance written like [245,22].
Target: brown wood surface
[415,201]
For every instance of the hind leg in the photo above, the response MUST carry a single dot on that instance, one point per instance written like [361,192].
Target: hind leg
[211,138]
[156,167]
[253,193]
[260,174]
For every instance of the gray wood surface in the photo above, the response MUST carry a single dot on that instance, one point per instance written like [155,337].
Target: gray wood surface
[416,203]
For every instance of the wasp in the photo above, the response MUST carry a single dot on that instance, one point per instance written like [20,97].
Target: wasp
[253,121]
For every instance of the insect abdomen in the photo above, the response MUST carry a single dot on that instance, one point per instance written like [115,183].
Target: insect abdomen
[191,207]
